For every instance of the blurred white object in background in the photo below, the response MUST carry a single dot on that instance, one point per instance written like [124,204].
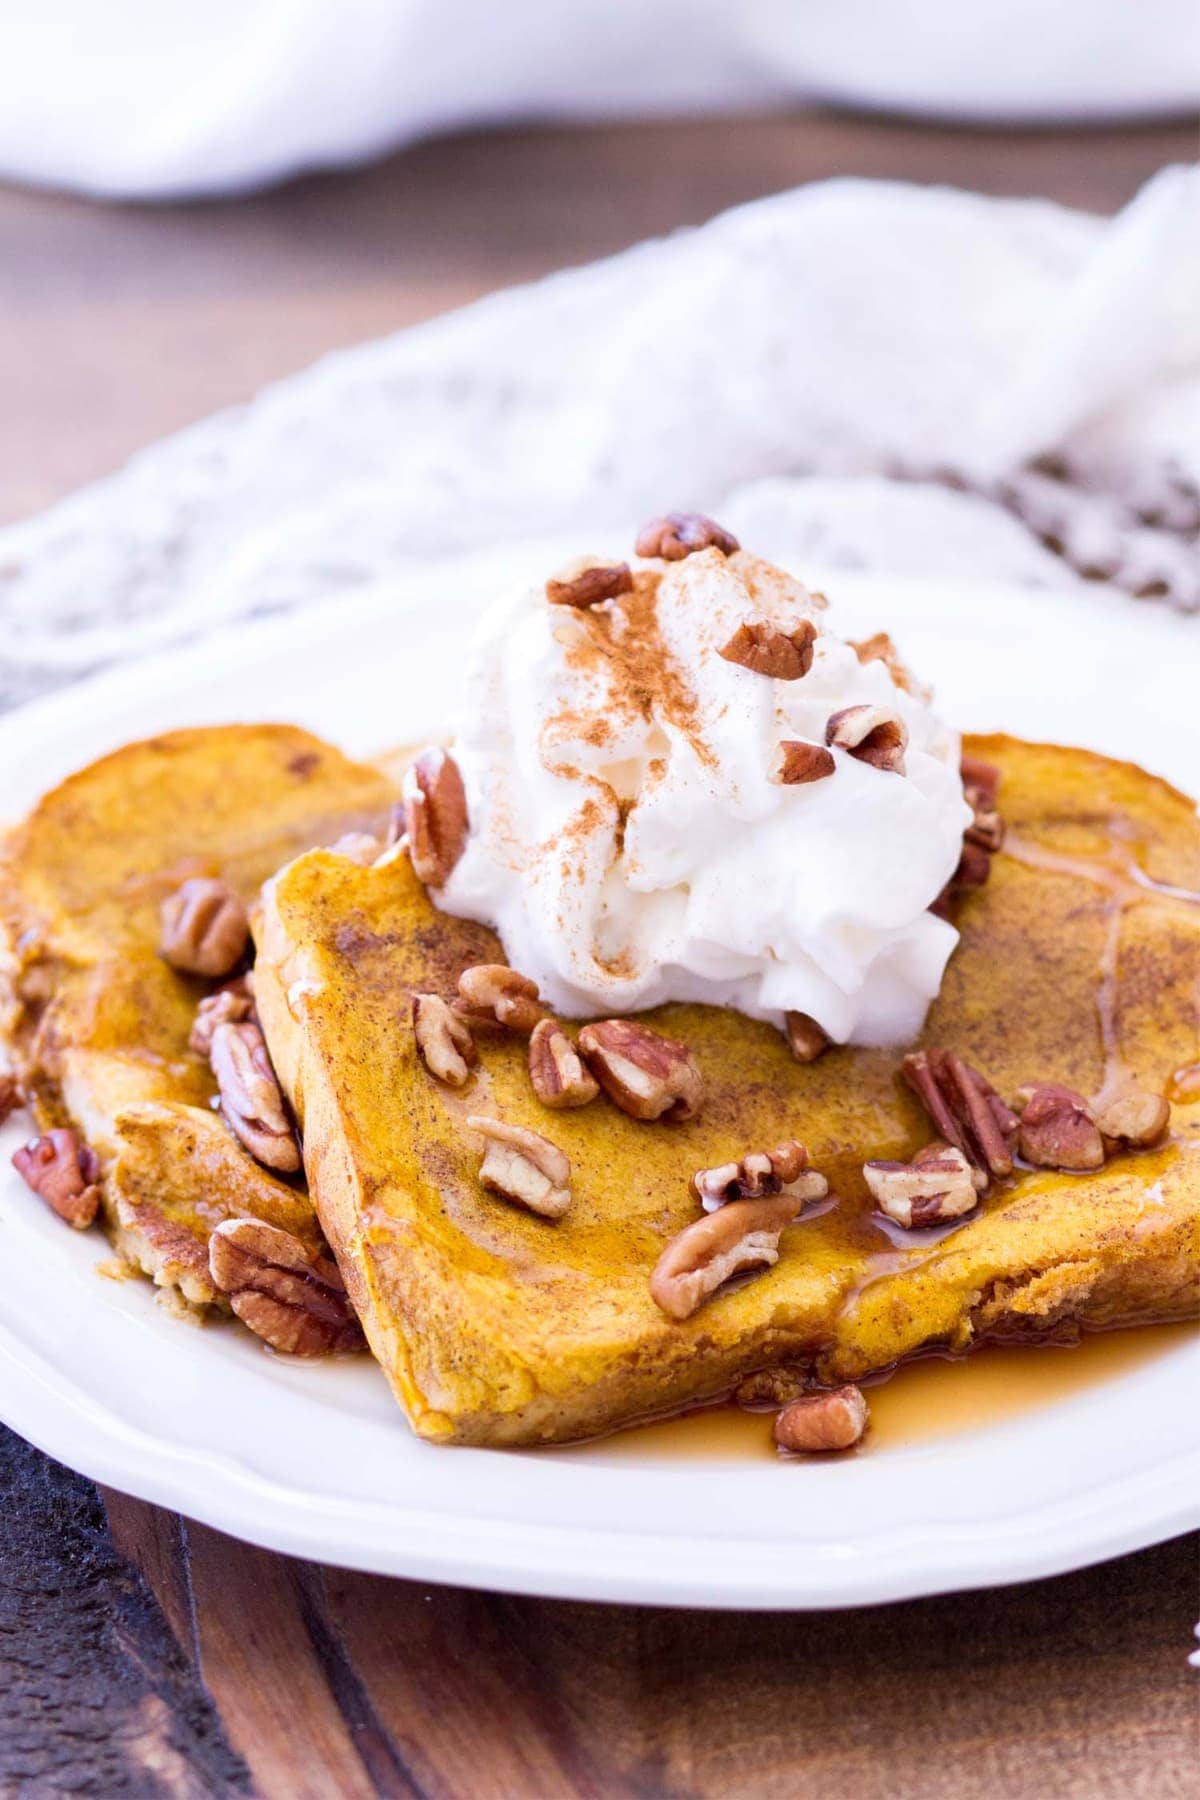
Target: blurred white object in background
[160,97]
[856,375]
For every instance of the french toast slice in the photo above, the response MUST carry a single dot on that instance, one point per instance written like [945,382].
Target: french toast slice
[1078,963]
[98,1024]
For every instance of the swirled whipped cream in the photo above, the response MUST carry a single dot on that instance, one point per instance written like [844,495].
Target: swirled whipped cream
[632,839]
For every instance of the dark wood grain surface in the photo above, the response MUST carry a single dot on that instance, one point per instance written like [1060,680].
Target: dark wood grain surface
[144,1655]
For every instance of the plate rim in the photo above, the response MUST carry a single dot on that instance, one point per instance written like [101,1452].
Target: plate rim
[1128,1513]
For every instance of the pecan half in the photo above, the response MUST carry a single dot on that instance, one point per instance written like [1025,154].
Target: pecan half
[676,535]
[230,1005]
[799,763]
[12,1096]
[871,734]
[759,1173]
[523,1166]
[964,1109]
[768,649]
[587,583]
[647,1075]
[702,1257]
[939,1183]
[435,815]
[822,1422]
[205,927]
[806,1039]
[1137,1118]
[64,1172]
[556,1068]
[1058,1129]
[444,1041]
[251,1099]
[494,994]
[290,1296]
[361,847]
[880,648]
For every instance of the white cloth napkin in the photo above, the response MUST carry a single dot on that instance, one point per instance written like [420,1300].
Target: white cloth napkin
[138,97]
[855,374]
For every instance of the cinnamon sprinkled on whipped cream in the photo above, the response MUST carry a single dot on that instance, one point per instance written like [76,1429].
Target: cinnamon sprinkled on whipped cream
[630,839]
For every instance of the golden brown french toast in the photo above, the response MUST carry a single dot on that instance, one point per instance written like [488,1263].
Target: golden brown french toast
[1078,964]
[99,1023]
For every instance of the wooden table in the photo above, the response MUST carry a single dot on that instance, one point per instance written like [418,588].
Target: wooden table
[143,1655]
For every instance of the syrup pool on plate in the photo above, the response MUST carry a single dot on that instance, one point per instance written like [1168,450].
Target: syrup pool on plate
[920,1402]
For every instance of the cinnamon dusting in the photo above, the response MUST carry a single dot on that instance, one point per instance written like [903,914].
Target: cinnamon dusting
[645,679]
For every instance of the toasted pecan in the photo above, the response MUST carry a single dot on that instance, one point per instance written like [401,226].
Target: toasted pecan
[288,1295]
[435,815]
[205,927]
[646,1074]
[678,534]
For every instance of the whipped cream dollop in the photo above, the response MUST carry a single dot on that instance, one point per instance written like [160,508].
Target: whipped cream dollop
[631,840]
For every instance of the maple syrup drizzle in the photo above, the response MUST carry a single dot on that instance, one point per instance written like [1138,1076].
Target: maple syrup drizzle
[1127,884]
[933,1395]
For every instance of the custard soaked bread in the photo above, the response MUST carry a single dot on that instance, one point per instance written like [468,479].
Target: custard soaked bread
[504,1323]
[99,1023]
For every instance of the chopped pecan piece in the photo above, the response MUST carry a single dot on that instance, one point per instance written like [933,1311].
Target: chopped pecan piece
[524,1166]
[444,1041]
[799,763]
[205,927]
[64,1172]
[587,583]
[702,1257]
[556,1068]
[871,734]
[12,1097]
[494,994]
[1058,1129]
[676,535]
[986,833]
[230,1005]
[435,816]
[252,1102]
[939,1183]
[982,838]
[361,847]
[965,1109]
[758,1174]
[974,866]
[880,648]
[806,1039]
[981,783]
[770,1388]
[646,1074]
[1137,1118]
[768,649]
[288,1295]
[823,1421]
[981,786]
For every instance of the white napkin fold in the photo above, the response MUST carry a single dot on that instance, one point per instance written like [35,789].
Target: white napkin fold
[858,373]
[138,97]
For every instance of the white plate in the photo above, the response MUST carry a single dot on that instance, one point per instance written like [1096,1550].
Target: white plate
[317,1461]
